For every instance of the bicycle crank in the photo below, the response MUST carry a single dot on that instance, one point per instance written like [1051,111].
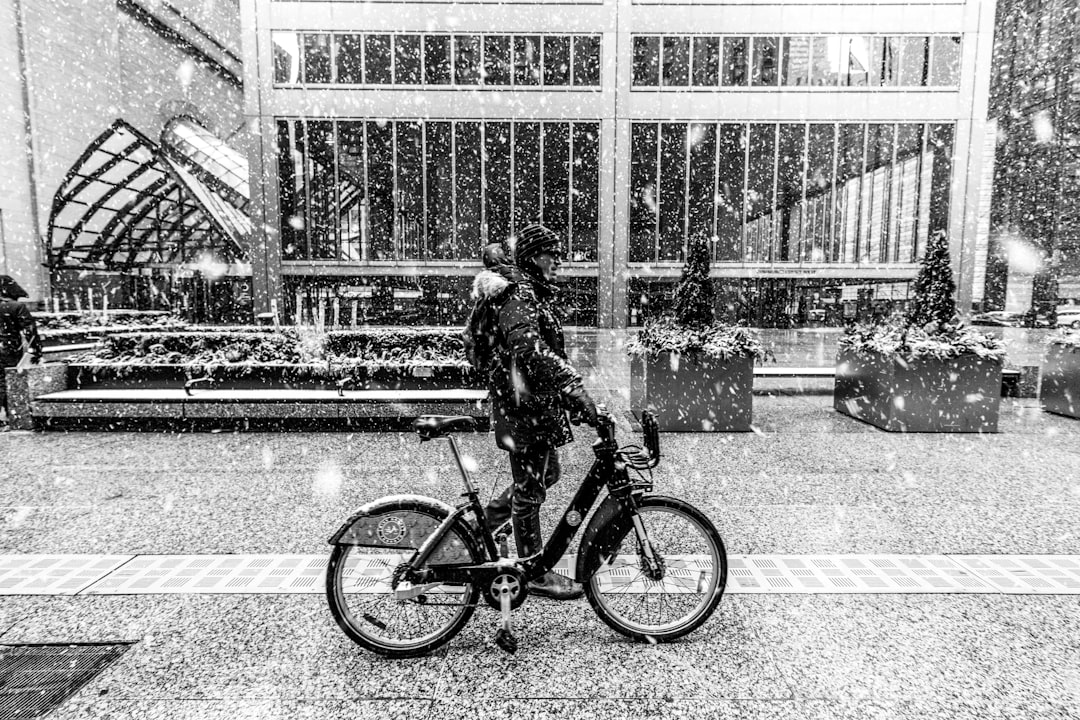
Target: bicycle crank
[508,588]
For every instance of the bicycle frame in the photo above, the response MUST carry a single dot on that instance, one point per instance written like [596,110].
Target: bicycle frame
[607,470]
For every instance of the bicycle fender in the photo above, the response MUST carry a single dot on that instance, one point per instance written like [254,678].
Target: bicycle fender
[393,522]
[608,525]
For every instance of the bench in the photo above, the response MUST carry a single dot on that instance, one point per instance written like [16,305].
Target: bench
[1010,377]
[254,404]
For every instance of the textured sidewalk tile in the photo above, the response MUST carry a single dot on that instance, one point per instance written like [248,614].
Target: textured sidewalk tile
[108,708]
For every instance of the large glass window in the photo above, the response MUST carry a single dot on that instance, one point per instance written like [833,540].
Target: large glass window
[945,60]
[409,232]
[377,62]
[676,62]
[407,58]
[316,58]
[914,60]
[823,65]
[286,51]
[735,61]
[468,202]
[292,193]
[557,60]
[322,197]
[766,61]
[497,60]
[795,61]
[884,61]
[380,172]
[788,192]
[527,60]
[466,59]
[352,203]
[526,173]
[350,59]
[437,59]
[497,170]
[556,186]
[587,60]
[643,178]
[646,69]
[706,62]
[584,203]
[440,189]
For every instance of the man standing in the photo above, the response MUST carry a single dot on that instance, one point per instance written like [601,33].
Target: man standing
[17,327]
[532,385]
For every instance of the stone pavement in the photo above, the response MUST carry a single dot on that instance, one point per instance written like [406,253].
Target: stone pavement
[807,482]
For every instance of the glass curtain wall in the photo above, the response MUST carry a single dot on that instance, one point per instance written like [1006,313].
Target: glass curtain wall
[867,193]
[412,190]
[838,61]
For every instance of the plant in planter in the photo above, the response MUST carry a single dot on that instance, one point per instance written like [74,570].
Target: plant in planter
[692,372]
[1060,392]
[924,372]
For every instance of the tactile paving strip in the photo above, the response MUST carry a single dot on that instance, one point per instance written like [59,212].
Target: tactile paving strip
[54,574]
[851,574]
[750,574]
[1026,574]
[217,574]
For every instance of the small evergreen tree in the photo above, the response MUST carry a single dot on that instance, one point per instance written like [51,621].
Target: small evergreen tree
[693,302]
[933,291]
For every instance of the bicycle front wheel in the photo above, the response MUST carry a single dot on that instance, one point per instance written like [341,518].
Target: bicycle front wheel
[669,589]
[360,585]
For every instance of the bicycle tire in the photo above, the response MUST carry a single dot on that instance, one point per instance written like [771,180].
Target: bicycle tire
[613,594]
[363,626]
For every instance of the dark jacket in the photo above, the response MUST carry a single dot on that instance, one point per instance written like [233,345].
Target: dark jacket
[529,372]
[15,322]
[489,290]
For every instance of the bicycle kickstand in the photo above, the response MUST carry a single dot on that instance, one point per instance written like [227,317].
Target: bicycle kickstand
[504,638]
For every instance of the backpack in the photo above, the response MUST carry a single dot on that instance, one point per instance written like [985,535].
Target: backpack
[481,333]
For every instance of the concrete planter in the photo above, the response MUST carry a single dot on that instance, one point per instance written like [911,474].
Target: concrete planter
[694,393]
[282,376]
[1060,392]
[919,394]
[26,384]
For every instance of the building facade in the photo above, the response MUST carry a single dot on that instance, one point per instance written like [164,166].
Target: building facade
[71,68]
[814,147]
[1034,250]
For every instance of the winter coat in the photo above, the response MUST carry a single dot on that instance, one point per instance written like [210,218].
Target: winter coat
[488,291]
[529,373]
[15,321]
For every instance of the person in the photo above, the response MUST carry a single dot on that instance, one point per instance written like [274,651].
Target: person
[532,385]
[17,328]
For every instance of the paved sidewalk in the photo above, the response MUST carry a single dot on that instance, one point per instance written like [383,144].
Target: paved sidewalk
[808,482]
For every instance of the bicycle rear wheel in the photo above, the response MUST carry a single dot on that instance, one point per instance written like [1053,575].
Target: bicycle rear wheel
[676,595]
[360,590]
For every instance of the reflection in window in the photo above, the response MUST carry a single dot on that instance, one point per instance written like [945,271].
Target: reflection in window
[766,50]
[676,61]
[527,60]
[291,192]
[853,58]
[316,58]
[350,59]
[587,60]
[672,191]
[322,194]
[585,221]
[823,67]
[497,60]
[286,51]
[407,60]
[409,233]
[884,61]
[814,192]
[914,60]
[735,61]
[377,60]
[557,60]
[945,60]
[380,172]
[795,66]
[352,208]
[466,59]
[646,69]
[437,59]
[643,179]
[706,62]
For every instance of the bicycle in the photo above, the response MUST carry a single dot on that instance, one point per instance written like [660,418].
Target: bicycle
[406,571]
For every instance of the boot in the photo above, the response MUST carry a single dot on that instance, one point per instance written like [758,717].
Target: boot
[551,585]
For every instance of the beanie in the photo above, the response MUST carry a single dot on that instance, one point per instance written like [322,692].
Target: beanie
[535,239]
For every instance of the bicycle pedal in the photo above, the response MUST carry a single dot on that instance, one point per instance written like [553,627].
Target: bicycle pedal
[506,640]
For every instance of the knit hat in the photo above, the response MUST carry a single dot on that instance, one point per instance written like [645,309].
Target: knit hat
[535,239]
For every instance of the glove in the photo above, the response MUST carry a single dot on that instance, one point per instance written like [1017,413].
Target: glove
[582,406]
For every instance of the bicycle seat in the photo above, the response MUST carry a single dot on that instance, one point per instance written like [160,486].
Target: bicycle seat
[429,427]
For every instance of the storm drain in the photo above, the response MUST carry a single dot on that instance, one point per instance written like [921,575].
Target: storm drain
[36,679]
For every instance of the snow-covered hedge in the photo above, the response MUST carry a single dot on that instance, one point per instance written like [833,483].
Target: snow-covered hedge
[115,320]
[898,338]
[717,340]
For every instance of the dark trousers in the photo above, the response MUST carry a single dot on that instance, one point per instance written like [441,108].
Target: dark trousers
[534,470]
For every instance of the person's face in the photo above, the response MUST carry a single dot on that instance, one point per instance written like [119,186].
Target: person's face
[548,264]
